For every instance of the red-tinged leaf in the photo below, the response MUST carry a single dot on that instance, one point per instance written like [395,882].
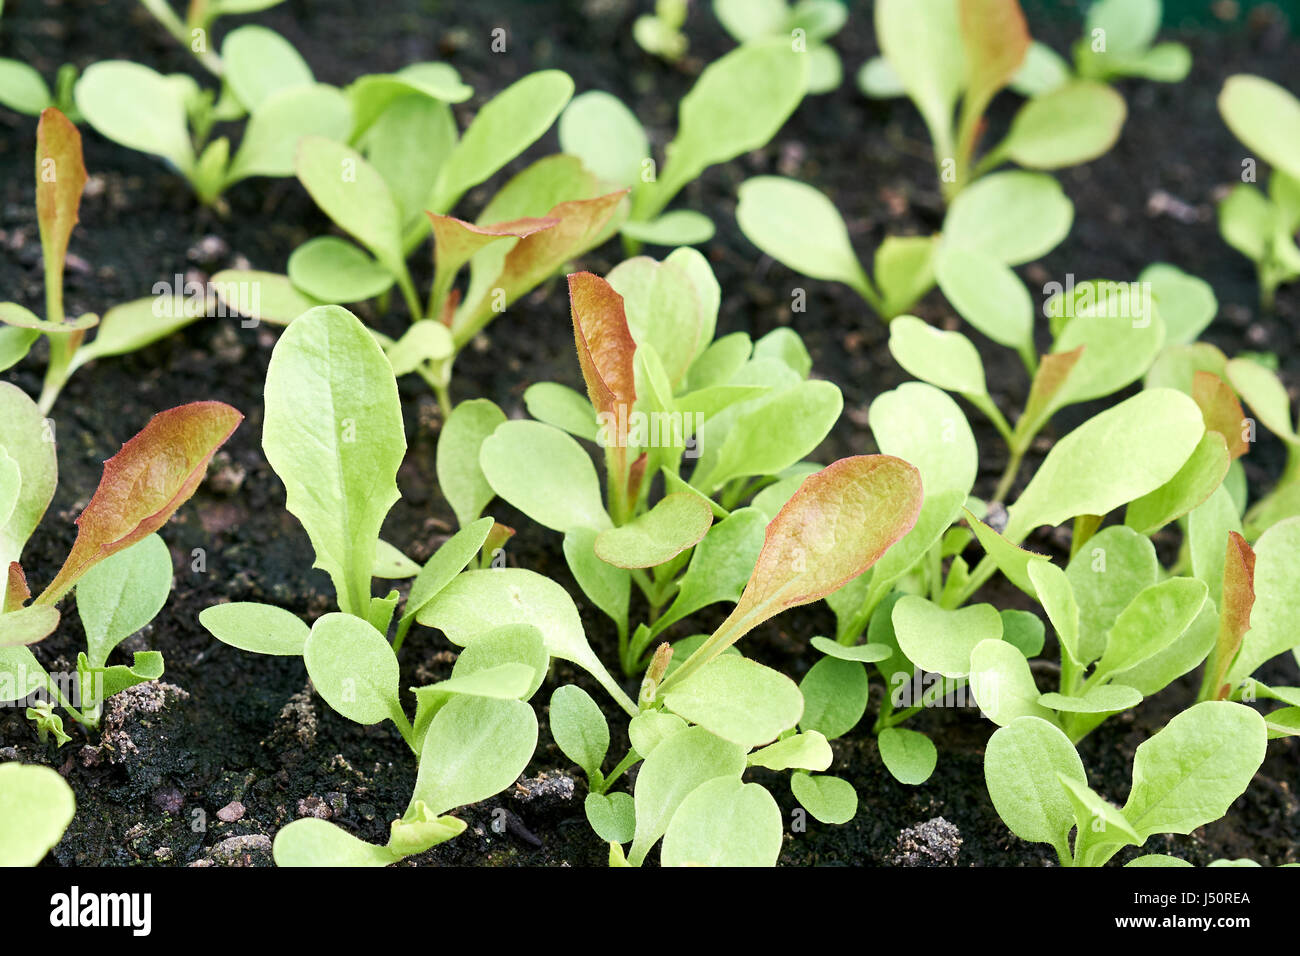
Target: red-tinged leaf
[28,625]
[17,593]
[636,475]
[143,485]
[455,242]
[605,347]
[581,224]
[60,178]
[1045,391]
[1234,616]
[1221,411]
[497,537]
[839,523]
[996,39]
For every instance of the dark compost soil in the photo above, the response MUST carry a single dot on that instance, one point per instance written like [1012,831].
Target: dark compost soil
[229,728]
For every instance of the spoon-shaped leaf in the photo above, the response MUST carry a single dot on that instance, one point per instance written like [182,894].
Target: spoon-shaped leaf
[838,524]
[36,806]
[143,484]
[60,178]
[676,523]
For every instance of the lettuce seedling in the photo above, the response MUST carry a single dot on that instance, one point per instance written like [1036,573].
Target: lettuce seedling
[699,724]
[660,394]
[660,33]
[1264,117]
[24,90]
[1004,220]
[738,104]
[192,33]
[60,178]
[121,570]
[36,806]
[263,78]
[389,195]
[806,24]
[1185,776]
[333,433]
[952,57]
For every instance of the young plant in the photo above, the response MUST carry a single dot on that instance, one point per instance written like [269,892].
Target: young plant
[333,433]
[660,33]
[1264,117]
[36,806]
[1185,776]
[60,178]
[121,570]
[263,77]
[389,195]
[806,24]
[24,90]
[660,393]
[1004,220]
[952,57]
[738,104]
[699,725]
[192,33]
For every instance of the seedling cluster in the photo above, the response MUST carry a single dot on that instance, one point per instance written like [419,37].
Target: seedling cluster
[686,487]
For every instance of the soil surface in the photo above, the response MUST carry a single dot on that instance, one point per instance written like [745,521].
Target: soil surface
[207,766]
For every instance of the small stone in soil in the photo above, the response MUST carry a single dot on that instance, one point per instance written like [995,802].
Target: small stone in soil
[548,785]
[314,806]
[231,812]
[935,842]
[252,850]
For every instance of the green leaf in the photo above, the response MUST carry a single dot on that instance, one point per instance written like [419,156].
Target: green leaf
[334,270]
[1190,772]
[506,125]
[143,110]
[1024,631]
[28,441]
[738,104]
[1106,699]
[670,773]
[259,63]
[602,132]
[607,586]
[460,477]
[353,668]
[738,700]
[720,566]
[1072,124]
[907,754]
[36,806]
[767,435]
[1023,764]
[512,644]
[987,294]
[612,816]
[474,748]
[133,325]
[681,227]
[123,593]
[676,523]
[829,799]
[1055,594]
[922,41]
[312,842]
[579,728]
[946,360]
[1012,217]
[806,751]
[664,311]
[939,640]
[1002,684]
[1121,335]
[258,628]
[565,495]
[1105,576]
[864,653]
[921,425]
[1187,304]
[1099,821]
[1155,618]
[22,89]
[265,296]
[800,228]
[1264,393]
[1118,455]
[560,406]
[835,694]
[352,193]
[27,625]
[1265,117]
[1200,475]
[145,666]
[425,341]
[1157,859]
[334,435]
[1277,599]
[724,822]
[904,270]
[1042,71]
[439,571]
[648,729]
[480,601]
[391,564]
[270,143]
[15,343]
